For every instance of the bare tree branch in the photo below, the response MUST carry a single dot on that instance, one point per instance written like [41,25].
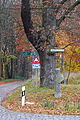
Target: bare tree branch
[78,41]
[67,12]
[60,5]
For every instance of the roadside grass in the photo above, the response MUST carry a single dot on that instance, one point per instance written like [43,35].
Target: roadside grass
[4,81]
[10,79]
[44,100]
[17,78]
[74,78]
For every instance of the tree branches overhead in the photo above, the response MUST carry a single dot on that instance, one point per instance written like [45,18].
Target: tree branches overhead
[60,5]
[67,12]
[54,14]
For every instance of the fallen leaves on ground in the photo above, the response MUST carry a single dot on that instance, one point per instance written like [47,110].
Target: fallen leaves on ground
[45,102]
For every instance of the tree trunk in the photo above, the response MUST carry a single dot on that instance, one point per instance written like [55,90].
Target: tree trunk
[47,70]
[11,68]
[0,67]
[6,71]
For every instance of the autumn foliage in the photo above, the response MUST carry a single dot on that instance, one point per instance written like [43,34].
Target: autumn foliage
[63,38]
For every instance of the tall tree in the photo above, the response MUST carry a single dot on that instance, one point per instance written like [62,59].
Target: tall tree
[7,39]
[53,14]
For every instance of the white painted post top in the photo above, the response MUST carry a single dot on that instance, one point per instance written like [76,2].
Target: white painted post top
[23,88]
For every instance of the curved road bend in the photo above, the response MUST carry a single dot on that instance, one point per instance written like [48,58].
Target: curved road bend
[6,114]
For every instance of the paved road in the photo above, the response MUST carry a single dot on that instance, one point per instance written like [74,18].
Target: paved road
[7,88]
[11,115]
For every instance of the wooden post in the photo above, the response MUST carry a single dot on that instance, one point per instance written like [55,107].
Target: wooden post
[36,78]
[32,77]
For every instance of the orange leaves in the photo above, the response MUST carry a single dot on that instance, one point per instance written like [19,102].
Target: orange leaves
[23,44]
[47,1]
[21,41]
[72,51]
[62,38]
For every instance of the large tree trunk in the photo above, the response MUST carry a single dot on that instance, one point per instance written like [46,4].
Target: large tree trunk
[38,40]
[47,70]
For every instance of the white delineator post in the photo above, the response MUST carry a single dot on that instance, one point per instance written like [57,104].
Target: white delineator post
[23,95]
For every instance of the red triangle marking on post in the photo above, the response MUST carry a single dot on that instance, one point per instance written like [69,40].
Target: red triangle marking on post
[36,60]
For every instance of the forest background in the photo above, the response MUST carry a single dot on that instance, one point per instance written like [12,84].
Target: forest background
[14,64]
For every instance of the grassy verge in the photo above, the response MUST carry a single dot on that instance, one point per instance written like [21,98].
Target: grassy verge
[4,81]
[74,78]
[10,79]
[44,100]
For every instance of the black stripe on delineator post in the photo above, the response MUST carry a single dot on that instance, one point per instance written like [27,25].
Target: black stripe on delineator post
[23,93]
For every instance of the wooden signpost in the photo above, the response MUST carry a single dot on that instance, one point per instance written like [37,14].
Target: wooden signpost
[57,82]
[35,65]
[57,50]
